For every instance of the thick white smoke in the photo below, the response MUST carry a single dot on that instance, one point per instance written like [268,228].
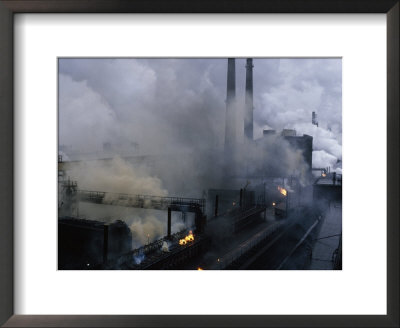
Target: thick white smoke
[327,148]
[158,107]
[146,225]
[86,120]
[172,111]
[116,176]
[299,87]
[164,105]
[119,176]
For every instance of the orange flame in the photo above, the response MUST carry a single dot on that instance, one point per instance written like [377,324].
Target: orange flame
[283,191]
[324,175]
[187,239]
[199,269]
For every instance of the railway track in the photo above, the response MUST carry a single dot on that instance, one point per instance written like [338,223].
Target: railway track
[273,251]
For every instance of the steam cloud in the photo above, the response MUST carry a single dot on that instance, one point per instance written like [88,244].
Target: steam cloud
[159,105]
[300,87]
[173,112]
[116,176]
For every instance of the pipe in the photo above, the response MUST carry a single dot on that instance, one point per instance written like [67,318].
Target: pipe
[169,222]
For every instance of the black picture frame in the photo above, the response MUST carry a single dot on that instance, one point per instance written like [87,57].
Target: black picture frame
[10,7]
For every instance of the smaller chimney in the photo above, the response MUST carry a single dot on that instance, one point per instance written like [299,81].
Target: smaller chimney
[314,119]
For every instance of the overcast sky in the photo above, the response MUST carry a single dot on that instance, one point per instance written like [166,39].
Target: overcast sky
[162,103]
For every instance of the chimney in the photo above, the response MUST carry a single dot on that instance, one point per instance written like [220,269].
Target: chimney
[314,119]
[230,119]
[248,115]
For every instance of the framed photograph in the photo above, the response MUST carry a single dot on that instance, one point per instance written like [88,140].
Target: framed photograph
[183,165]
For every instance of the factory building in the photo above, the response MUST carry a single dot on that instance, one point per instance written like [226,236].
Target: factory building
[327,189]
[303,144]
[87,244]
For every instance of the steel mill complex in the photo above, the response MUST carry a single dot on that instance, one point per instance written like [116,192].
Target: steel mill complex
[264,206]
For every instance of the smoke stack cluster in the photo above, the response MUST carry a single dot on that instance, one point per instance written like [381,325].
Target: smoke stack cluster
[230,122]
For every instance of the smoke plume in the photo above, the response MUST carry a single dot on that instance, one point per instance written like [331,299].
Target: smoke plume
[158,127]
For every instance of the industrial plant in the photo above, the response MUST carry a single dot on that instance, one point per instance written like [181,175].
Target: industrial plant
[246,203]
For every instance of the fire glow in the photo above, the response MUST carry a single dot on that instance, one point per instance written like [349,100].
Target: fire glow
[283,191]
[187,239]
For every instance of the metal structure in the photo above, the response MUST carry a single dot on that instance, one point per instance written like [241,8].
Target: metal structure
[179,204]
[151,256]
[67,203]
[177,256]
[142,201]
[323,170]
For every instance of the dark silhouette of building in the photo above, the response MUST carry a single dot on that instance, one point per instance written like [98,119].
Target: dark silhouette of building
[87,244]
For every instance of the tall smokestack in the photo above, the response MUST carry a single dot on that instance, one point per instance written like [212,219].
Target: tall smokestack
[230,120]
[248,115]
